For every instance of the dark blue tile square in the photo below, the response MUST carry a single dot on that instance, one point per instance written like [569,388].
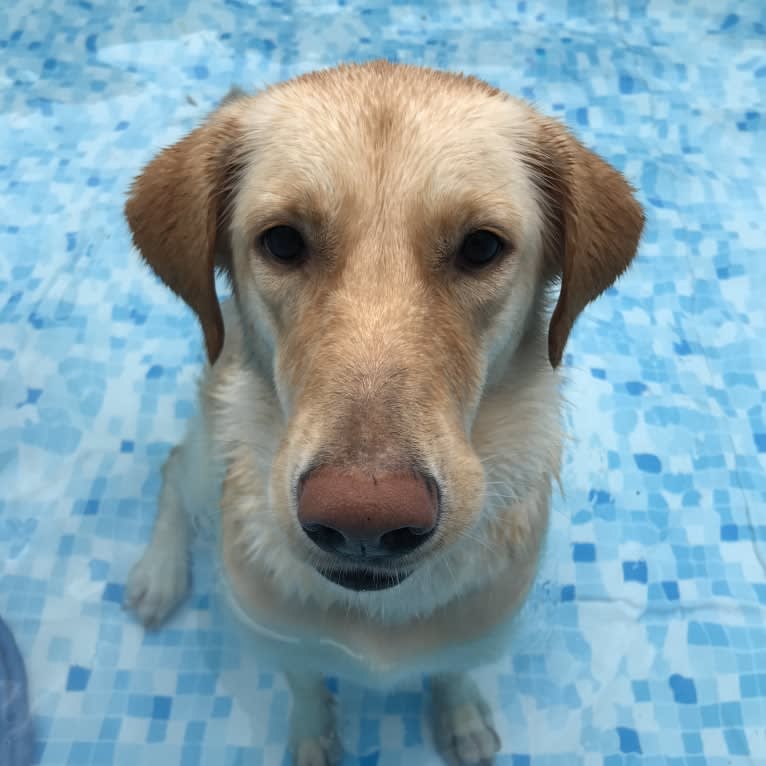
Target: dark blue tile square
[629,741]
[684,690]
[77,678]
[670,587]
[583,552]
[113,592]
[729,532]
[161,707]
[221,707]
[736,741]
[634,571]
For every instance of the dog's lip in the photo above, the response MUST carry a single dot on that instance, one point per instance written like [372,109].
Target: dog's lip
[363,578]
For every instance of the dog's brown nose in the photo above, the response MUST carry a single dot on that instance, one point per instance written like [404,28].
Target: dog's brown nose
[355,514]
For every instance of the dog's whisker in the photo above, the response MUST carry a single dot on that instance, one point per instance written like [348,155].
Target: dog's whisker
[475,538]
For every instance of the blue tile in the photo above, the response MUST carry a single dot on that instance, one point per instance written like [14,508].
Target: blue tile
[140,706]
[161,707]
[736,742]
[191,755]
[195,731]
[114,592]
[157,731]
[692,743]
[583,552]
[648,463]
[752,685]
[98,569]
[629,741]
[77,678]
[731,714]
[684,690]
[635,387]
[66,545]
[641,691]
[103,752]
[729,532]
[711,716]
[79,753]
[634,571]
[110,729]
[221,707]
[59,649]
[671,590]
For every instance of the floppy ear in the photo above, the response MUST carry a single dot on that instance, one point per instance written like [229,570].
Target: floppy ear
[593,228]
[177,209]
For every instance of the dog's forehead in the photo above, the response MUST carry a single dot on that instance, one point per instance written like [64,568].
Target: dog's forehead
[365,133]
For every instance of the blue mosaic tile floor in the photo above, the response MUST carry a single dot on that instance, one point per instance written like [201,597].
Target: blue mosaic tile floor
[645,638]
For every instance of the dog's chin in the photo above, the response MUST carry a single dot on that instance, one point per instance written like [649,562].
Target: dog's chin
[362,579]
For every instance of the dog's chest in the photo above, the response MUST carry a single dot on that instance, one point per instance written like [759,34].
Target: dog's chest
[334,642]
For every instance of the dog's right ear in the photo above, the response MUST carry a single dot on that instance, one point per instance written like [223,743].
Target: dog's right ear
[177,209]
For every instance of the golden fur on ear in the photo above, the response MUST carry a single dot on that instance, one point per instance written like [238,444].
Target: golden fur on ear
[594,225]
[176,212]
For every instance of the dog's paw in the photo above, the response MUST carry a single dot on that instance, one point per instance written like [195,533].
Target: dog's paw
[314,739]
[319,751]
[157,583]
[463,729]
[465,736]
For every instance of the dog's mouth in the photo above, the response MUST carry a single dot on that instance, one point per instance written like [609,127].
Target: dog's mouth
[362,579]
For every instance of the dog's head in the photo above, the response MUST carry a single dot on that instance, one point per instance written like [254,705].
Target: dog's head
[390,233]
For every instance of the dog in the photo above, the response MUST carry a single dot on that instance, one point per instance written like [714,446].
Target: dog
[379,423]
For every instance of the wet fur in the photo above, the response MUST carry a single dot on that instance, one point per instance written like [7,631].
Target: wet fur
[380,352]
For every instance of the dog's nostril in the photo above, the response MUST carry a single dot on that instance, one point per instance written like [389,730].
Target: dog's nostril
[353,514]
[404,540]
[327,538]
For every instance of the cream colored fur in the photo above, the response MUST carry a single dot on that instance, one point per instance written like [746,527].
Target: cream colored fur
[384,169]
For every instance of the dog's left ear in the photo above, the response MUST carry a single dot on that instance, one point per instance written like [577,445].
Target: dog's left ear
[593,228]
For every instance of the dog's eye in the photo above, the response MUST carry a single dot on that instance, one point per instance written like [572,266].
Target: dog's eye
[479,249]
[284,243]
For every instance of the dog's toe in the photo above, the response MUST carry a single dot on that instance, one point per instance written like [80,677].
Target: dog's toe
[463,728]
[157,584]
[467,737]
[322,751]
[314,738]
[475,740]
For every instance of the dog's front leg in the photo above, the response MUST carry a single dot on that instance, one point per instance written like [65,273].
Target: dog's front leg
[462,721]
[313,737]
[160,579]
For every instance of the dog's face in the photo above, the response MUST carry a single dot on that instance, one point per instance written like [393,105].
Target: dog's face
[389,232]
